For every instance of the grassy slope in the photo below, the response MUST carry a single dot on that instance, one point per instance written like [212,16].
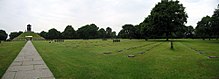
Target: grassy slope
[8,52]
[85,59]
[35,36]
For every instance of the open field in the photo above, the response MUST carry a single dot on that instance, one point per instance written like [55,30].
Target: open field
[97,59]
[8,52]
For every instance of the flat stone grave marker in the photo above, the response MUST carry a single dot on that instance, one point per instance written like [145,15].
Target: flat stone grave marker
[141,52]
[107,53]
[131,56]
[212,57]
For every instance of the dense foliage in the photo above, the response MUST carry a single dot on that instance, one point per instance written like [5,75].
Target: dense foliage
[53,34]
[69,33]
[3,35]
[90,31]
[215,22]
[167,17]
[203,28]
[13,35]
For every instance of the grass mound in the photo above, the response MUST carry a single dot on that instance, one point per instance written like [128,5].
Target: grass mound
[35,36]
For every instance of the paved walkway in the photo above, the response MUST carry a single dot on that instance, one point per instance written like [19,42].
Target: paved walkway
[28,65]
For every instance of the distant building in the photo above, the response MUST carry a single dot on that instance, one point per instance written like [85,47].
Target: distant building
[28,28]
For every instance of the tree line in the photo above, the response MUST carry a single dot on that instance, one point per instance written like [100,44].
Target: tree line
[90,31]
[166,20]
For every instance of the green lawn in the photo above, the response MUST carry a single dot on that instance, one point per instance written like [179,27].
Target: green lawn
[85,59]
[8,52]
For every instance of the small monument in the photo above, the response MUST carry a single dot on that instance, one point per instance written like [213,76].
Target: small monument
[28,28]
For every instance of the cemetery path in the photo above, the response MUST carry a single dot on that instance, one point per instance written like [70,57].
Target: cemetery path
[28,65]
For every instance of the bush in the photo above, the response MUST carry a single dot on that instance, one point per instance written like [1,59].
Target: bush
[3,35]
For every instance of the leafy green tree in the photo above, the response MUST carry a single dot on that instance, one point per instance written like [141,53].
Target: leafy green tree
[203,28]
[189,32]
[69,32]
[88,31]
[13,35]
[138,34]
[167,17]
[122,34]
[108,32]
[102,33]
[180,33]
[144,28]
[54,34]
[113,34]
[128,31]
[44,34]
[3,35]
[215,22]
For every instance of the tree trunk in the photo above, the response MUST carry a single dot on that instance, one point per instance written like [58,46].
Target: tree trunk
[217,37]
[171,43]
[167,36]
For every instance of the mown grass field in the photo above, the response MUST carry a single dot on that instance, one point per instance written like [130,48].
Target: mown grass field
[85,59]
[8,52]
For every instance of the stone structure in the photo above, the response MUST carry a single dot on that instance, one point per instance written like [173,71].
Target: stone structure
[28,28]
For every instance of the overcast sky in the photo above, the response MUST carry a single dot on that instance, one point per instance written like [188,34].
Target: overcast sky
[47,14]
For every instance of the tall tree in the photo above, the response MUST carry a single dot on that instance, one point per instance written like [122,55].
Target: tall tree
[189,32]
[69,32]
[145,29]
[102,33]
[113,34]
[128,31]
[108,32]
[54,34]
[3,35]
[203,28]
[215,22]
[88,31]
[167,16]
[138,32]
[44,34]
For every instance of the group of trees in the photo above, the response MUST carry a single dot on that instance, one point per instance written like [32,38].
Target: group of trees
[167,19]
[90,31]
[12,35]
[208,27]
